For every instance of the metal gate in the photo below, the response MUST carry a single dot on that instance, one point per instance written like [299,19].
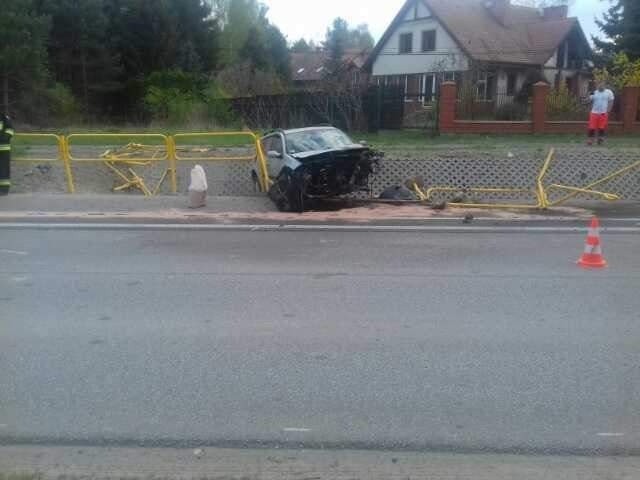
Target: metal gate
[393,108]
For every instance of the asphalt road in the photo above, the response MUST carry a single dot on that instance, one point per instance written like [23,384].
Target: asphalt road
[427,341]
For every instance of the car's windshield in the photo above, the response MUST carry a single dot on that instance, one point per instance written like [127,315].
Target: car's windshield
[314,140]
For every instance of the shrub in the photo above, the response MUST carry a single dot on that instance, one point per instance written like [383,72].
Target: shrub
[563,105]
[218,105]
[178,98]
[621,73]
[169,104]
[62,104]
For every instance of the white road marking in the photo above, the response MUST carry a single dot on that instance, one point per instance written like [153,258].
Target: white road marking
[296,430]
[608,434]
[13,252]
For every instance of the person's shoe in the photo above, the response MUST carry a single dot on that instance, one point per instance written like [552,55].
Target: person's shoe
[600,141]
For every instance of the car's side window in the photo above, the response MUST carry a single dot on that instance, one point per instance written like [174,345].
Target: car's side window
[266,144]
[276,144]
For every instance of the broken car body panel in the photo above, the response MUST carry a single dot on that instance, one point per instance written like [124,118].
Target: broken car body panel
[316,162]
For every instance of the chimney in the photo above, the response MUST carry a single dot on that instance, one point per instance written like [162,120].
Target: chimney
[558,12]
[499,9]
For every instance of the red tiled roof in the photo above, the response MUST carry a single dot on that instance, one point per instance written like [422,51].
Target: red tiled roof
[522,37]
[311,66]
[308,67]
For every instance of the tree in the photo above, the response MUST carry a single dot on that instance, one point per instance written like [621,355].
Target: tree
[622,72]
[302,46]
[337,41]
[79,52]
[621,27]
[360,38]
[237,18]
[340,37]
[23,37]
[278,51]
[155,36]
[264,48]
[161,34]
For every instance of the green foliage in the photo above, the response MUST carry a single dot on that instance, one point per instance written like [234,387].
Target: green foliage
[622,72]
[337,41]
[23,38]
[621,28]
[62,104]
[302,46]
[218,106]
[248,36]
[171,96]
[79,53]
[563,105]
[340,38]
[360,38]
[238,18]
[178,98]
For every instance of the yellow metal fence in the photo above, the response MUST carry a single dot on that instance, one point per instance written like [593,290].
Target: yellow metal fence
[196,147]
[540,191]
[136,150]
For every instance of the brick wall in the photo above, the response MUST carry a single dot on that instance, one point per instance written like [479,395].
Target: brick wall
[448,123]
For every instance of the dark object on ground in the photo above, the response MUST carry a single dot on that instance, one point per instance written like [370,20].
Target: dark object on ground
[43,169]
[468,218]
[315,163]
[398,192]
[440,206]
[460,197]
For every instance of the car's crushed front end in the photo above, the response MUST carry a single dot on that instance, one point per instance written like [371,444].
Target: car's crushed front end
[334,172]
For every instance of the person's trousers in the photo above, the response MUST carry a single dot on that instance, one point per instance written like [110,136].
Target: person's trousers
[598,122]
[5,170]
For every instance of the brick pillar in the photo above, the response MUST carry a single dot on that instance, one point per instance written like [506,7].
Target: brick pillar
[629,107]
[447,107]
[539,106]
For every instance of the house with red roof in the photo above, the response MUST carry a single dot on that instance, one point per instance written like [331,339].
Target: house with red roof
[495,48]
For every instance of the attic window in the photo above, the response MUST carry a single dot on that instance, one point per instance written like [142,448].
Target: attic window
[300,70]
[428,40]
[406,43]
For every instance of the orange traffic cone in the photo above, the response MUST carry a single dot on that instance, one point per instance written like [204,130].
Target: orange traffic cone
[592,256]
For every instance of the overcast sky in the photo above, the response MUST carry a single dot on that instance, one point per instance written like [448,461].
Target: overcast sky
[309,19]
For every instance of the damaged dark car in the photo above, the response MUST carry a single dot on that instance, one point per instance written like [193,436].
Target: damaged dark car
[315,163]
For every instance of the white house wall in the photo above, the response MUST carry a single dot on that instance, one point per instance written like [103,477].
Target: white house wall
[413,13]
[446,57]
[501,82]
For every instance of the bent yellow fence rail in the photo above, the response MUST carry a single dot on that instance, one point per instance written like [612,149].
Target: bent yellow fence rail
[540,192]
[122,160]
[589,189]
[183,144]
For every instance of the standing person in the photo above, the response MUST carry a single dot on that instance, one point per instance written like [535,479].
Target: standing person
[601,106]
[6,133]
